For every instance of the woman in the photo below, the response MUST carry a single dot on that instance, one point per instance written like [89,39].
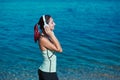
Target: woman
[48,44]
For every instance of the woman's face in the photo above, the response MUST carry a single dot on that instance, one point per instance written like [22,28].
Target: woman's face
[51,24]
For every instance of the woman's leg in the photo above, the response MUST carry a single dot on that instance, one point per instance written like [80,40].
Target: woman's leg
[54,76]
[40,75]
[47,76]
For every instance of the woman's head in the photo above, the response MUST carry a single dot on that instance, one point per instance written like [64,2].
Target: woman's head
[48,20]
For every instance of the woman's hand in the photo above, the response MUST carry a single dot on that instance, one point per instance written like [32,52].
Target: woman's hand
[48,31]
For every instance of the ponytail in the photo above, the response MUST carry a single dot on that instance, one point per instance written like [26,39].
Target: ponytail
[36,33]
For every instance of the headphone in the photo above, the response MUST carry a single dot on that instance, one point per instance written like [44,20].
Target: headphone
[45,24]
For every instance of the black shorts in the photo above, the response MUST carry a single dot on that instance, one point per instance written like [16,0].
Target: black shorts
[47,76]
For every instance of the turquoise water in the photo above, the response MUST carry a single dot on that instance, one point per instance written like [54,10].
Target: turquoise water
[89,33]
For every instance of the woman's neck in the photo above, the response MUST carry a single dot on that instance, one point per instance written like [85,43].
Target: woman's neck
[44,35]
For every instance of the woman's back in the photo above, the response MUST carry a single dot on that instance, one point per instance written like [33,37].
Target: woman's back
[49,61]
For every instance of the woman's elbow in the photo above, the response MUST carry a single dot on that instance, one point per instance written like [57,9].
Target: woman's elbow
[59,50]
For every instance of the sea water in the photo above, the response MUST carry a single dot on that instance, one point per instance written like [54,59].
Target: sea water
[89,32]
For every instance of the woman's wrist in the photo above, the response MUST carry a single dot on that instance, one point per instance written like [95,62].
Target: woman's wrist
[52,34]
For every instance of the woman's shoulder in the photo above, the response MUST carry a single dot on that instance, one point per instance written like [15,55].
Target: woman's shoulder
[42,38]
[42,42]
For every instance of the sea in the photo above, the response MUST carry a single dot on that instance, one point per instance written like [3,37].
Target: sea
[88,31]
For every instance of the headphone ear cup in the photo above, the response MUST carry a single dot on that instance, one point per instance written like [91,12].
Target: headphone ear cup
[46,25]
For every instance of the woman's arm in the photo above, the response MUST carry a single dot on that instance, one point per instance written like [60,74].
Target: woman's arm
[53,44]
[47,44]
[56,42]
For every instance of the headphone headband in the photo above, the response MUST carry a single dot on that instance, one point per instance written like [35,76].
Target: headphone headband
[45,24]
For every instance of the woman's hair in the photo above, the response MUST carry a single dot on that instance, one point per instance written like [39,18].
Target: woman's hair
[41,24]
